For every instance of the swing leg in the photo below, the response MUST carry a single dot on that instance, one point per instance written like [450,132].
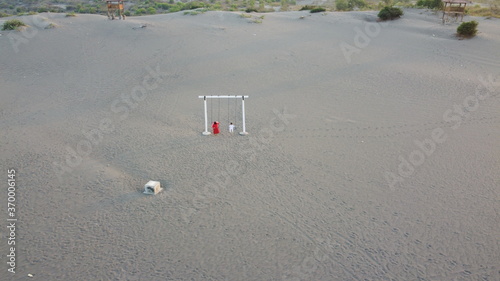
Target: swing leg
[206,132]
[244,132]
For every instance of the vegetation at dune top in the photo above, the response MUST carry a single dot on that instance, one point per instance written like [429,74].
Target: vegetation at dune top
[307,7]
[12,24]
[467,29]
[251,18]
[349,5]
[318,10]
[140,7]
[480,11]
[195,12]
[431,4]
[485,8]
[313,9]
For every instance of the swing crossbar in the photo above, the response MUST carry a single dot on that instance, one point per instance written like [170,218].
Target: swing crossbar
[222,97]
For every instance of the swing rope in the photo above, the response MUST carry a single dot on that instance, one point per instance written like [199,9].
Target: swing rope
[211,110]
[236,111]
[218,115]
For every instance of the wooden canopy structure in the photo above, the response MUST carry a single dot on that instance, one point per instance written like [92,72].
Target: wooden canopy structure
[115,6]
[454,8]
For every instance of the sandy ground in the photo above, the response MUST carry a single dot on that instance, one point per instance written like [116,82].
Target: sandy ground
[373,149]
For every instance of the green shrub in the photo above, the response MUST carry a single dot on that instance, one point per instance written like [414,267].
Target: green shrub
[284,5]
[262,5]
[174,8]
[478,11]
[341,5]
[389,13]
[318,10]
[56,10]
[12,24]
[217,6]
[356,3]
[194,5]
[467,29]
[140,11]
[163,6]
[307,7]
[195,12]
[436,4]
[401,4]
[349,5]
[431,4]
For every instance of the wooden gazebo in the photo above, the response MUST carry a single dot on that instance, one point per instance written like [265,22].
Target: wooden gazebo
[115,6]
[454,8]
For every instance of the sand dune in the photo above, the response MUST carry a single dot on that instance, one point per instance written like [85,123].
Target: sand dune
[372,151]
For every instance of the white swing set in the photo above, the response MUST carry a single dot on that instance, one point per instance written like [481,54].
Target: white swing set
[206,132]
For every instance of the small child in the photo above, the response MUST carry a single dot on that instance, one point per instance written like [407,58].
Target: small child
[215,127]
[231,127]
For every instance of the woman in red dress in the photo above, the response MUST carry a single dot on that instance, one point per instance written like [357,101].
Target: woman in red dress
[215,127]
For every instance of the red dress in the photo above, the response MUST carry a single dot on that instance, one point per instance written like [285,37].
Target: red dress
[215,127]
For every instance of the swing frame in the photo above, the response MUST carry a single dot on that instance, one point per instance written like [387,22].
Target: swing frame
[206,132]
